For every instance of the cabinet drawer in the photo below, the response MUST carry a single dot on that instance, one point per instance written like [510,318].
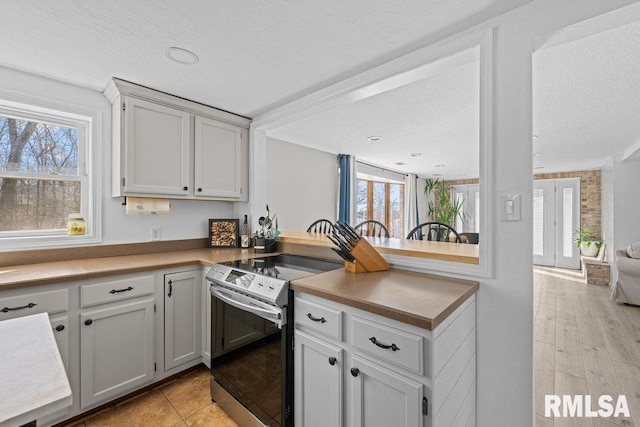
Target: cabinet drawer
[116,290]
[320,318]
[33,303]
[393,345]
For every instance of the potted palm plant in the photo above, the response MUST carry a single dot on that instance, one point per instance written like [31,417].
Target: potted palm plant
[588,243]
[443,208]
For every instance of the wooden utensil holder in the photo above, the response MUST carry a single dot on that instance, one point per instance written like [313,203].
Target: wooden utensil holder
[368,258]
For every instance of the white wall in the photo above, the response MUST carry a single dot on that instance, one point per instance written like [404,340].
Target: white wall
[302,184]
[626,202]
[606,207]
[188,219]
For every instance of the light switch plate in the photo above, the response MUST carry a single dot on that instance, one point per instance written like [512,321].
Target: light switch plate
[510,207]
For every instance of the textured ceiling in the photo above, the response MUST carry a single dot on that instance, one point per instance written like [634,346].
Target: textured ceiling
[437,117]
[586,104]
[254,54]
[586,108]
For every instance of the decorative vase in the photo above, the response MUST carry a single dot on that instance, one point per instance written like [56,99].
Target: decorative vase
[591,250]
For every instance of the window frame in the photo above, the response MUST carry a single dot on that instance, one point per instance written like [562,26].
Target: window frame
[88,123]
[387,202]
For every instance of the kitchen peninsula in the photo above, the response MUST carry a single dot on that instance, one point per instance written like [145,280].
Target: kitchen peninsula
[420,309]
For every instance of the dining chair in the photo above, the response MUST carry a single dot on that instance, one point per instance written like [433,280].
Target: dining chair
[436,231]
[372,228]
[321,226]
[472,238]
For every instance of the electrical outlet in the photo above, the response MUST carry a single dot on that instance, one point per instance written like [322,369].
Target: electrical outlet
[155,234]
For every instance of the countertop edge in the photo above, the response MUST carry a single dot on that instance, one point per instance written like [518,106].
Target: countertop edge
[385,311]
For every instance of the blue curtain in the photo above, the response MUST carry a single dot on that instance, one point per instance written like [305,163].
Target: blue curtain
[344,205]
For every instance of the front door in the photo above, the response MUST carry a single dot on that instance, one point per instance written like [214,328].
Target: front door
[556,213]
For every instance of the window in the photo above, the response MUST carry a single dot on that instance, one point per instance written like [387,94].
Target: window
[383,202]
[44,175]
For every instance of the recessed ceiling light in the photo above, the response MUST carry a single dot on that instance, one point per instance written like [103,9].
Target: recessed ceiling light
[535,136]
[416,154]
[437,174]
[181,56]
[400,163]
[537,154]
[539,167]
[374,138]
[440,165]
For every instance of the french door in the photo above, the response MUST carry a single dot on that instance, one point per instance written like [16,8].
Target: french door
[556,213]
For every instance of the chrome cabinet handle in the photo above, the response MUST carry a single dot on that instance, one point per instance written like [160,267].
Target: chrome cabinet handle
[7,309]
[385,346]
[316,319]
[113,291]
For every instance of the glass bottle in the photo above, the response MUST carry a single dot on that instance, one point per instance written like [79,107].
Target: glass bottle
[244,239]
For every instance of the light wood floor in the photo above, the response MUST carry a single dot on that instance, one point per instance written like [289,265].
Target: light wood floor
[583,344]
[186,401]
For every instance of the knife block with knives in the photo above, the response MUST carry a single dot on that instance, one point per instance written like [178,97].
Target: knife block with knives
[358,254]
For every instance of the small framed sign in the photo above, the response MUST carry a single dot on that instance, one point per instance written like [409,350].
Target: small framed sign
[224,233]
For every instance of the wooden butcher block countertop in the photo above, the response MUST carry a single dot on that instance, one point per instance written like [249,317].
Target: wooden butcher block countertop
[423,300]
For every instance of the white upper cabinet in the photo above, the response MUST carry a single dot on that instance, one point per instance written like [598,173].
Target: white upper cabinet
[157,149]
[165,146]
[218,159]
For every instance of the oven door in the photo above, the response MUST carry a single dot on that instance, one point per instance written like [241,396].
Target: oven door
[252,370]
[273,314]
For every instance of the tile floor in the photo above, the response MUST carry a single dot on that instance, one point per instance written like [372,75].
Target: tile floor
[185,401]
[584,343]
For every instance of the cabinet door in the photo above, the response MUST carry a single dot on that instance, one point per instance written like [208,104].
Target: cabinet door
[157,149]
[116,350]
[384,398]
[218,159]
[206,320]
[182,320]
[318,382]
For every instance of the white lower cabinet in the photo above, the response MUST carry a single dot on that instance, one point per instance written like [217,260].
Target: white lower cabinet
[116,350]
[318,382]
[383,398]
[205,306]
[182,318]
[356,368]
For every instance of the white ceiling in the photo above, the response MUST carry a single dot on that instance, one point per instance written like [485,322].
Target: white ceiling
[437,117]
[254,54]
[586,104]
[586,109]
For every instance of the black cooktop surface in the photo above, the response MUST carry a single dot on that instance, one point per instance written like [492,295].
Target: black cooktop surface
[284,266]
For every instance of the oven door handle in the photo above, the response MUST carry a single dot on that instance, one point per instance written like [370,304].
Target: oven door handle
[274,314]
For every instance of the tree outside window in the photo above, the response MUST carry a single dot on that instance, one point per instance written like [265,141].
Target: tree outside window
[383,202]
[40,177]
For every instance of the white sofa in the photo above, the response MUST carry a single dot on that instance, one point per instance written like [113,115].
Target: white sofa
[627,288]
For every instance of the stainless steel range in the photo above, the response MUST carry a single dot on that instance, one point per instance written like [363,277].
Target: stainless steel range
[251,336]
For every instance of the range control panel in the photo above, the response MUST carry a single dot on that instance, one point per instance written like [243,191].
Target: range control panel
[267,289]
